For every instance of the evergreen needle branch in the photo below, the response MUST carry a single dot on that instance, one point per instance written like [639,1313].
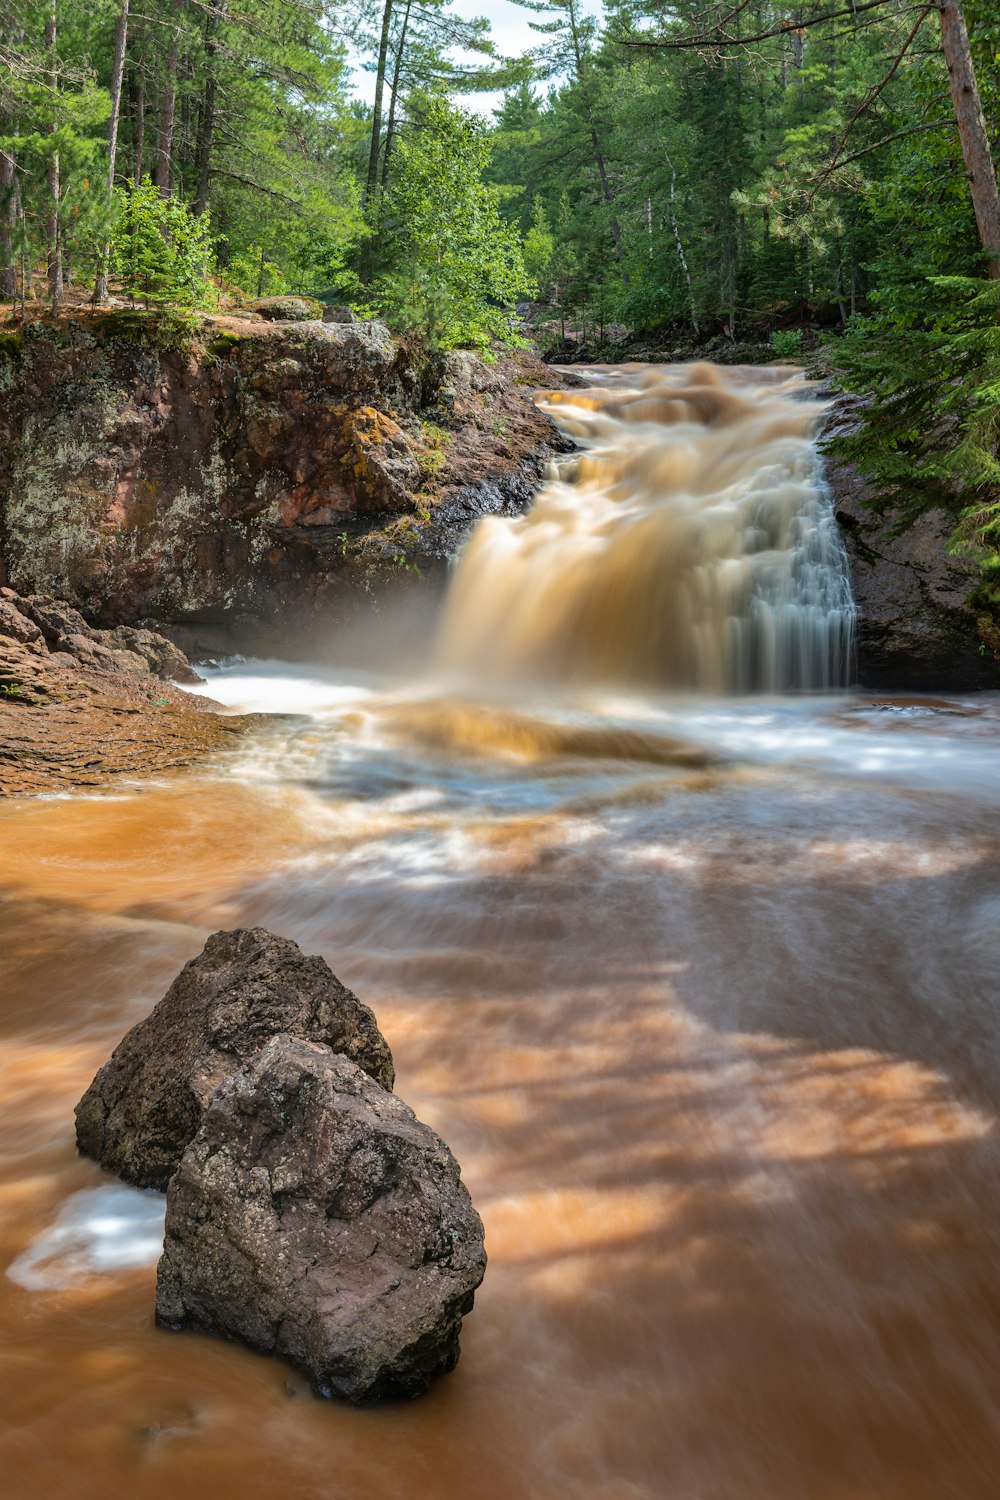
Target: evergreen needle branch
[887,140]
[710,40]
[867,103]
[256,186]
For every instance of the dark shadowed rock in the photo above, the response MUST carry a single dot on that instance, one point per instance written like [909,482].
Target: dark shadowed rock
[160,656]
[918,625]
[147,1102]
[315,1217]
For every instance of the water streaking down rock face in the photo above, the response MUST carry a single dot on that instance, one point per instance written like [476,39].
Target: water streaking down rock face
[690,543]
[315,1217]
[147,1102]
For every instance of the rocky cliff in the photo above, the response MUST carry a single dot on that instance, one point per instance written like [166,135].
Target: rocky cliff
[919,625]
[236,470]
[243,480]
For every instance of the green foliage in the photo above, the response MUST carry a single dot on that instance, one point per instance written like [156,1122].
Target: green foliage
[787,342]
[927,351]
[933,426]
[539,246]
[160,251]
[453,268]
[435,443]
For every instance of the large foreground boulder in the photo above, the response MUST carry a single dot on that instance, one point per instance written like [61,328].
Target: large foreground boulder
[315,1217]
[148,1100]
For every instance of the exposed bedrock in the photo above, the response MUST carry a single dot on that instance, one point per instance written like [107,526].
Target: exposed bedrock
[315,1217]
[919,627]
[147,1102]
[241,468]
[78,705]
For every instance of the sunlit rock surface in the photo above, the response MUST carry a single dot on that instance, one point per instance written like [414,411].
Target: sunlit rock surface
[315,1217]
[78,705]
[147,1103]
[273,472]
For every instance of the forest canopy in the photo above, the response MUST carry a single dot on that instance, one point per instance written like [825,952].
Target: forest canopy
[689,170]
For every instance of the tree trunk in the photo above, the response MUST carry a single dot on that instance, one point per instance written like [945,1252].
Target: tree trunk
[678,242]
[23,252]
[163,175]
[972,129]
[117,72]
[206,130]
[390,130]
[609,198]
[140,113]
[55,275]
[8,226]
[376,141]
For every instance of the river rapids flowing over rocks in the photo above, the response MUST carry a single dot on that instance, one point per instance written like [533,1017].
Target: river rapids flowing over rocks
[699,986]
[691,543]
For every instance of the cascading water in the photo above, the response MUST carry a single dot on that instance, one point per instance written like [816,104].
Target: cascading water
[701,991]
[691,543]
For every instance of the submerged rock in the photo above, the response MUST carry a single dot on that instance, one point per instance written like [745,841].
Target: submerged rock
[315,1217]
[147,1102]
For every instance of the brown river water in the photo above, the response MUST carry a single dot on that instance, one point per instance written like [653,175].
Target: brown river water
[700,988]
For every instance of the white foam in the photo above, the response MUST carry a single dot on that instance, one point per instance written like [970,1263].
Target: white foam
[281,687]
[96,1231]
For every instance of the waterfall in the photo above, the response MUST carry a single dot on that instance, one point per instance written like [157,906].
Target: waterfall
[689,543]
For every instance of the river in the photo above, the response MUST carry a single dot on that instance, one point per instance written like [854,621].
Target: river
[699,984]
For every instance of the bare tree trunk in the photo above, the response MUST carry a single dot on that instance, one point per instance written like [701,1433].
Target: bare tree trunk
[140,114]
[117,72]
[206,131]
[8,226]
[390,130]
[798,49]
[972,129]
[680,247]
[376,141]
[206,138]
[25,267]
[55,275]
[163,175]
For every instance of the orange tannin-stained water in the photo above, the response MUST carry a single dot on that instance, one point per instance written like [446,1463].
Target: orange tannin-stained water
[701,991]
[689,543]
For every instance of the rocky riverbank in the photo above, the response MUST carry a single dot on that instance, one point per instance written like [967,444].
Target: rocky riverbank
[920,625]
[250,483]
[243,472]
[79,705]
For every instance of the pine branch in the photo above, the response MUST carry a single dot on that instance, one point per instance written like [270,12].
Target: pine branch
[711,41]
[867,102]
